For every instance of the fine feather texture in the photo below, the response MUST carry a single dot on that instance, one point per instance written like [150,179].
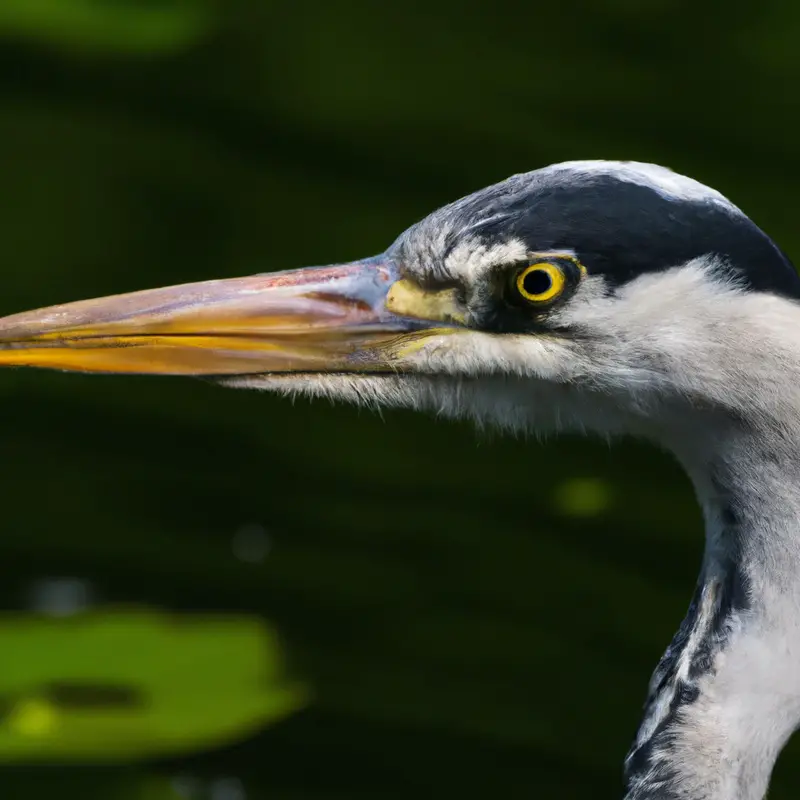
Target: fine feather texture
[707,369]
[685,330]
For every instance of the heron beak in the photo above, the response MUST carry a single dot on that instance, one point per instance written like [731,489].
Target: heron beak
[346,318]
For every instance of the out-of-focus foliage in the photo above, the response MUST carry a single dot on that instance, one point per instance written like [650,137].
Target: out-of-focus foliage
[475,616]
[130,684]
[124,27]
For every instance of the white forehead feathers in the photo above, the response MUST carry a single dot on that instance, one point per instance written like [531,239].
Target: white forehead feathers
[470,259]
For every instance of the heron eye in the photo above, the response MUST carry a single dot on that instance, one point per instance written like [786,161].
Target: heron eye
[541,282]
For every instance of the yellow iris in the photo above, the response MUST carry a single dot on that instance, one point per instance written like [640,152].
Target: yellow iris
[541,282]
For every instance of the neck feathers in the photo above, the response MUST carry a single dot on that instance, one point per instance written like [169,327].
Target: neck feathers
[725,697]
[659,763]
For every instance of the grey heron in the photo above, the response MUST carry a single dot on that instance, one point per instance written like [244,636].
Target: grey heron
[593,296]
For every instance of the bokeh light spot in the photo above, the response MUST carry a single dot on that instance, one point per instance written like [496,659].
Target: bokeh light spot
[33,717]
[251,543]
[227,789]
[583,497]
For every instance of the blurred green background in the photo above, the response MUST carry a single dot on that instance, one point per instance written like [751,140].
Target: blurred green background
[218,595]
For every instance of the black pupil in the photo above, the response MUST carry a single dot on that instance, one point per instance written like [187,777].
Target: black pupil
[537,281]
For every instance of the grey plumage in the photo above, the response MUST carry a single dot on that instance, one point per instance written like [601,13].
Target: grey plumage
[662,311]
[692,356]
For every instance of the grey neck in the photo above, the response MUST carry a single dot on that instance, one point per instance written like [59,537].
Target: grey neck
[725,697]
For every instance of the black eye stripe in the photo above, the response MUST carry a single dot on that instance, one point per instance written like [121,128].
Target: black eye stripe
[519,297]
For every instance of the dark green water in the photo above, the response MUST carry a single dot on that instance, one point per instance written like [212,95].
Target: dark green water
[218,594]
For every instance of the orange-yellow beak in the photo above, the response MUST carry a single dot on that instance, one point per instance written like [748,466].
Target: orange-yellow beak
[320,319]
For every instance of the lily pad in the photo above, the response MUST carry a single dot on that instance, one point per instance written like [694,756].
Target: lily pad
[126,685]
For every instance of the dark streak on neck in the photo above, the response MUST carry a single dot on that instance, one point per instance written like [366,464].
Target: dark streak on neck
[721,593]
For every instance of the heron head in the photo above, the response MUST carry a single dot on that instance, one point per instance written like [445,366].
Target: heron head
[591,295]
